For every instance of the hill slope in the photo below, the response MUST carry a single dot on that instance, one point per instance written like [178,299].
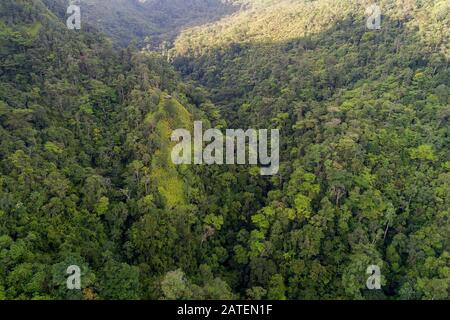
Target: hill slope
[85,178]
[365,151]
[158,20]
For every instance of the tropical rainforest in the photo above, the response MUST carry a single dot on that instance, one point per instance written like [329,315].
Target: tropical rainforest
[86,176]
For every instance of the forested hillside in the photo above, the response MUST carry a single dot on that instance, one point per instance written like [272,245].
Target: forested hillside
[86,177]
[365,148]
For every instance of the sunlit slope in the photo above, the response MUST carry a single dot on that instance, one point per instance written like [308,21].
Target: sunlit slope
[290,19]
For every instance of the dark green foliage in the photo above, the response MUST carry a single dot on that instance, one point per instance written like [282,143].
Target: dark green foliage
[84,177]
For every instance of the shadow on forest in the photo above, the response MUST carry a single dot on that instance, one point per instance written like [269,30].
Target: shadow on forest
[159,20]
[238,71]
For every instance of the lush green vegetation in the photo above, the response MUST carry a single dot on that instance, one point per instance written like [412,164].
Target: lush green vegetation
[86,176]
[364,124]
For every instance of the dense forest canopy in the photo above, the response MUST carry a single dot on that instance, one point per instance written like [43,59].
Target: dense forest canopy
[86,177]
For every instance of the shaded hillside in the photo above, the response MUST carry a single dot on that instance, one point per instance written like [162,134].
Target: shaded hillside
[157,20]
